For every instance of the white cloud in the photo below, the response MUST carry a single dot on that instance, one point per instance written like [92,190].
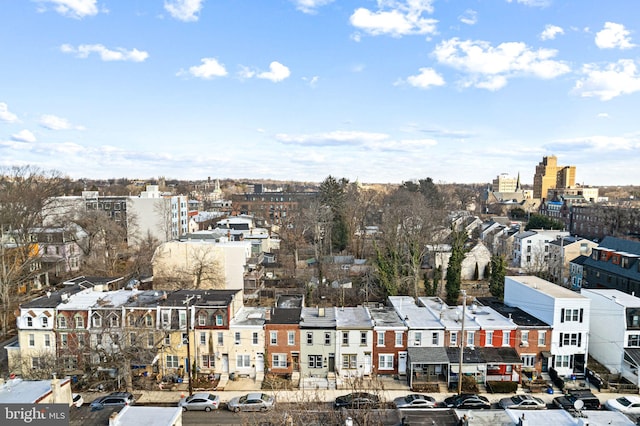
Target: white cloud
[209,69]
[603,115]
[119,54]
[532,3]
[53,122]
[607,82]
[428,77]
[77,9]
[277,72]
[310,6]
[395,18]
[6,115]
[490,67]
[613,36]
[596,143]
[352,139]
[311,81]
[24,136]
[469,17]
[550,32]
[184,10]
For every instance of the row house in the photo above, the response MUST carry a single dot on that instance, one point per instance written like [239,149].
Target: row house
[615,331]
[390,341]
[59,249]
[283,339]
[531,249]
[561,252]
[245,343]
[318,365]
[354,339]
[615,264]
[566,311]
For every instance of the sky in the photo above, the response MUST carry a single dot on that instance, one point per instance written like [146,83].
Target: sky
[376,91]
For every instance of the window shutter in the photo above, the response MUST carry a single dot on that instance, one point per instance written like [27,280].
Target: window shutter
[579,340]
[562,315]
[581,314]
[561,339]
[570,361]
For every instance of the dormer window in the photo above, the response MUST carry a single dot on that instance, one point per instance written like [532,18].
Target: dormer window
[79,321]
[29,321]
[148,320]
[132,320]
[114,321]
[202,319]
[62,321]
[96,321]
[45,321]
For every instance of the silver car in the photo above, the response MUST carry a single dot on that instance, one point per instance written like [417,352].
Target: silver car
[252,402]
[523,402]
[415,400]
[200,401]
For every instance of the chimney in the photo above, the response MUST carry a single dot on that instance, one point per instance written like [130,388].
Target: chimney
[320,312]
[55,391]
[267,314]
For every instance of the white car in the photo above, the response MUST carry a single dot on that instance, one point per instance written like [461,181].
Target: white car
[628,404]
[77,400]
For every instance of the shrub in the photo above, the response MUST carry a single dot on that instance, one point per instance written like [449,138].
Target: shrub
[494,386]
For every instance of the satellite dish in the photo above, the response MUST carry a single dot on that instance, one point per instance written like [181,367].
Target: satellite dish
[578,404]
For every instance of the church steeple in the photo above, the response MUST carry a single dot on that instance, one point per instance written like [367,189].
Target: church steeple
[518,188]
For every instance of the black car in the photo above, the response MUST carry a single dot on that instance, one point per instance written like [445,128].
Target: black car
[568,400]
[357,400]
[467,400]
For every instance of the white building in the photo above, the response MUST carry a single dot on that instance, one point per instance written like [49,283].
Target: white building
[531,249]
[615,331]
[566,311]
[354,342]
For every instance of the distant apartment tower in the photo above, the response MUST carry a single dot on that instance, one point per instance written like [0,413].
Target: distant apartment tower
[549,175]
[505,183]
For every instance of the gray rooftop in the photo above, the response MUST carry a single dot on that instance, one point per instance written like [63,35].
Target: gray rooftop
[318,318]
[414,316]
[353,318]
[386,317]
[249,317]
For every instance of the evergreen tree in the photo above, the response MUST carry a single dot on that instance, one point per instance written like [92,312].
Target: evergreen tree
[437,277]
[454,268]
[476,273]
[496,280]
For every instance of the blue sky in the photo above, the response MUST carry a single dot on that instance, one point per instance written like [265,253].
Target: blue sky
[379,91]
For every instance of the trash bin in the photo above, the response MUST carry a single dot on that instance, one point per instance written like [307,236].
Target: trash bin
[550,390]
[232,376]
[179,379]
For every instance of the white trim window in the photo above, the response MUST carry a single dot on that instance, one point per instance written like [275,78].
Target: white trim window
[524,337]
[380,335]
[385,362]
[278,360]
[32,340]
[291,338]
[542,338]
[506,337]
[309,337]
[315,361]
[528,361]
[273,337]
[345,338]
[349,361]
[417,338]
[238,338]
[471,338]
[453,339]
[254,338]
[243,361]
[172,361]
[399,338]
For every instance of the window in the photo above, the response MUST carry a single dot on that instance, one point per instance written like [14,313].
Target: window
[633,340]
[254,338]
[172,361]
[349,361]
[98,339]
[182,319]
[132,320]
[203,338]
[435,338]
[202,319]
[315,361]
[453,338]
[64,340]
[524,337]
[132,339]
[542,338]
[185,338]
[570,339]
[79,321]
[62,321]
[96,321]
[279,361]
[148,320]
[114,321]
[385,362]
[29,322]
[506,335]
[309,337]
[219,320]
[208,361]
[150,340]
[273,337]
[37,363]
[45,321]
[237,337]
[571,315]
[363,338]
[166,319]
[291,338]
[167,340]
[417,338]
[345,338]
[243,361]
[489,338]
[220,338]
[399,338]
[471,338]
[562,361]
[47,341]
[32,340]
[327,339]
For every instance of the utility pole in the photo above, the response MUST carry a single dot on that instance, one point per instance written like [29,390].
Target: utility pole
[561,259]
[187,302]
[464,308]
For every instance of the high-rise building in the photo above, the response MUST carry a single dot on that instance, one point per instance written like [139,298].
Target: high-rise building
[505,183]
[550,175]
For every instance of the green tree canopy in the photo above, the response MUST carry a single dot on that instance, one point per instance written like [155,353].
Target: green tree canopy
[538,221]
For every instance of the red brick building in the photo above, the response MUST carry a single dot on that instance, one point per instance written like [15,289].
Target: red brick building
[389,341]
[282,341]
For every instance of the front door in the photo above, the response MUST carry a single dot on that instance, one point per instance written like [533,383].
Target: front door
[259,362]
[295,360]
[225,363]
[367,364]
[332,363]
[402,363]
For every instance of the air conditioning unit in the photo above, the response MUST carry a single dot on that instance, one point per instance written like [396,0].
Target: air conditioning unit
[524,344]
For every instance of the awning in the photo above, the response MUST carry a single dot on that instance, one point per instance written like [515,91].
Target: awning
[467,368]
[545,354]
[422,355]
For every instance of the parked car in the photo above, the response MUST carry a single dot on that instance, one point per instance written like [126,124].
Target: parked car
[523,402]
[628,404]
[415,400]
[77,400]
[569,401]
[467,400]
[357,400]
[200,401]
[114,399]
[252,402]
